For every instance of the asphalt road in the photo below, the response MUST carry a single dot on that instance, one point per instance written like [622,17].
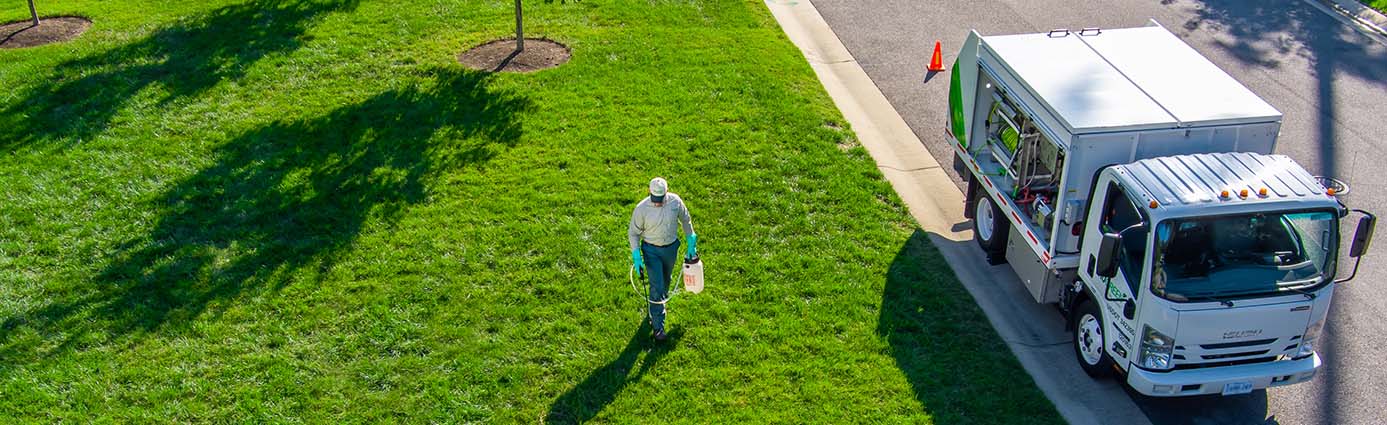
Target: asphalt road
[1329,80]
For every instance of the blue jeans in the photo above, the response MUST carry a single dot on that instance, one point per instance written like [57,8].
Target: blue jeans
[659,264]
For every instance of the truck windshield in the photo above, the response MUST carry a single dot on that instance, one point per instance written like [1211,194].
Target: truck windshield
[1226,257]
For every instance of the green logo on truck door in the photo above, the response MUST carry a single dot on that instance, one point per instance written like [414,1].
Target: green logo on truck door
[956,108]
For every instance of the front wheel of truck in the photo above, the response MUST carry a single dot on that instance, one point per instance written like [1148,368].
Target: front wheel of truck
[1089,342]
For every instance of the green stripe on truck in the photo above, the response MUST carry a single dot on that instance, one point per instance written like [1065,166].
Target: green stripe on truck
[956,107]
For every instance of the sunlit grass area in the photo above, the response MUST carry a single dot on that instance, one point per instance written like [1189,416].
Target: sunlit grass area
[281,211]
[1380,5]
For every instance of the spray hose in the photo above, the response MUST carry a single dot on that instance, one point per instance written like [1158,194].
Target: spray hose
[673,289]
[675,284]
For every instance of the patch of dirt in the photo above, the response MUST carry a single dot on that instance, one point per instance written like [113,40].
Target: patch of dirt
[500,56]
[15,35]
[846,141]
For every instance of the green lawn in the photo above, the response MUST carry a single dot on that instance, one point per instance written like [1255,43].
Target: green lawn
[1380,5]
[284,211]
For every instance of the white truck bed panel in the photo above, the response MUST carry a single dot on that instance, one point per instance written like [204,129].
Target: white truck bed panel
[1082,89]
[1187,85]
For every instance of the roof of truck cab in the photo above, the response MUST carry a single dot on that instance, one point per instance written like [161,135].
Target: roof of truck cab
[1127,79]
[1201,179]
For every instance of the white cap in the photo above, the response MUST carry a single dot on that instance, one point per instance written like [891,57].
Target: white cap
[658,187]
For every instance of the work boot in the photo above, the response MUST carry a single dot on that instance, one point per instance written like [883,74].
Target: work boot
[660,336]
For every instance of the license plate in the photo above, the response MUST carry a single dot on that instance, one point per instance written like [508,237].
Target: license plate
[1237,388]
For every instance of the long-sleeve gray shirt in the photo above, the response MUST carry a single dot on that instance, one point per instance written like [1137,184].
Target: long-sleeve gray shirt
[659,225]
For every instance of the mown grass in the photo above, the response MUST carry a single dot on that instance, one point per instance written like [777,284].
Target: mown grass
[284,211]
[1380,5]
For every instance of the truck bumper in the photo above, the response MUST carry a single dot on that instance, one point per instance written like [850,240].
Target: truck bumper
[1213,380]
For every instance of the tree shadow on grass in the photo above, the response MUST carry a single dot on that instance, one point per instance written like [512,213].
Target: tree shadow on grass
[585,400]
[279,203]
[83,95]
[957,365]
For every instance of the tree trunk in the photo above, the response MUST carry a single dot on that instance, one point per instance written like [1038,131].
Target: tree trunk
[35,12]
[519,28]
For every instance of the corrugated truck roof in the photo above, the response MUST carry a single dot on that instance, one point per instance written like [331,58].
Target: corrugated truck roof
[1199,179]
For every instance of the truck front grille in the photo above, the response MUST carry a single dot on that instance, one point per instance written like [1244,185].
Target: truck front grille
[1217,353]
[1232,355]
[1237,344]
[1179,366]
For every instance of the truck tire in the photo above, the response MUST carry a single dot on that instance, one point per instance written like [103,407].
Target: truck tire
[1089,342]
[990,227]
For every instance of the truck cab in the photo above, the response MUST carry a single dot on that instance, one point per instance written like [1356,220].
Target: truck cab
[1205,274]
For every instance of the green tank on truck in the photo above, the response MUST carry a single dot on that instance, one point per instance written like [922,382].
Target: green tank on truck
[1133,183]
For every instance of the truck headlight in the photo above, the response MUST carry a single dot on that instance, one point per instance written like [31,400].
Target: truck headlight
[1307,342]
[1156,349]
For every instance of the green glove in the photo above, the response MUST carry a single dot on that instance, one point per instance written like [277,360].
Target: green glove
[693,246]
[636,261]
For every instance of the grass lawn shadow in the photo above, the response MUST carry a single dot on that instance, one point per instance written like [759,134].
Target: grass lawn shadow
[956,363]
[585,400]
[278,199]
[82,96]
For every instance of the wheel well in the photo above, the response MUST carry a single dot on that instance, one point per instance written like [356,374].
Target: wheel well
[1072,303]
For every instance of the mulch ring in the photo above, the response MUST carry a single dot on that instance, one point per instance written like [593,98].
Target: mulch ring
[21,34]
[500,56]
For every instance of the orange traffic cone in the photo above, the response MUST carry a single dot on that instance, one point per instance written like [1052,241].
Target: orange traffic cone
[936,62]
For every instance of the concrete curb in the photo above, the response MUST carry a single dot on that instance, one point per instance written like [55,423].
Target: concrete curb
[1365,18]
[1361,13]
[937,205]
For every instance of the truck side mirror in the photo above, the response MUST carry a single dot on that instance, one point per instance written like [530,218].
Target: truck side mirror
[1361,239]
[1107,254]
[1363,236]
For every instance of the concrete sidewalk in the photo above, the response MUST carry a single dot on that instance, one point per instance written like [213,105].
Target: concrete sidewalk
[1034,332]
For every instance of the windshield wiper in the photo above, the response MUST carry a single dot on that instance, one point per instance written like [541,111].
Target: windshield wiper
[1210,296]
[1218,295]
[1292,288]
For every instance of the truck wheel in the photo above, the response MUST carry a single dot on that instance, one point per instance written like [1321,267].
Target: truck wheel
[990,227]
[1089,343]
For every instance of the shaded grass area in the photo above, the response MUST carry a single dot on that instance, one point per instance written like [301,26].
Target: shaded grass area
[306,210]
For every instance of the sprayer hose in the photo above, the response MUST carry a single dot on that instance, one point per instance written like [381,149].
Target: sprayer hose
[631,277]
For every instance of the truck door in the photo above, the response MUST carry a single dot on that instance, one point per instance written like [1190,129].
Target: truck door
[1114,212]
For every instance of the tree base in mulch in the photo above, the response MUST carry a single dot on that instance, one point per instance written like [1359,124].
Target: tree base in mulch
[20,34]
[501,56]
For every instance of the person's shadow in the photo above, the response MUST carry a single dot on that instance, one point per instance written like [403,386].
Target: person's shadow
[585,400]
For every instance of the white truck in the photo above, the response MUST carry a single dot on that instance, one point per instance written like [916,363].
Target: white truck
[1132,182]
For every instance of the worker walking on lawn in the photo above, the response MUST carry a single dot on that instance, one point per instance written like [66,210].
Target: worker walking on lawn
[654,237]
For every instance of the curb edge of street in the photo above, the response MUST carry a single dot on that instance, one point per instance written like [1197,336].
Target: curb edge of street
[1366,18]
